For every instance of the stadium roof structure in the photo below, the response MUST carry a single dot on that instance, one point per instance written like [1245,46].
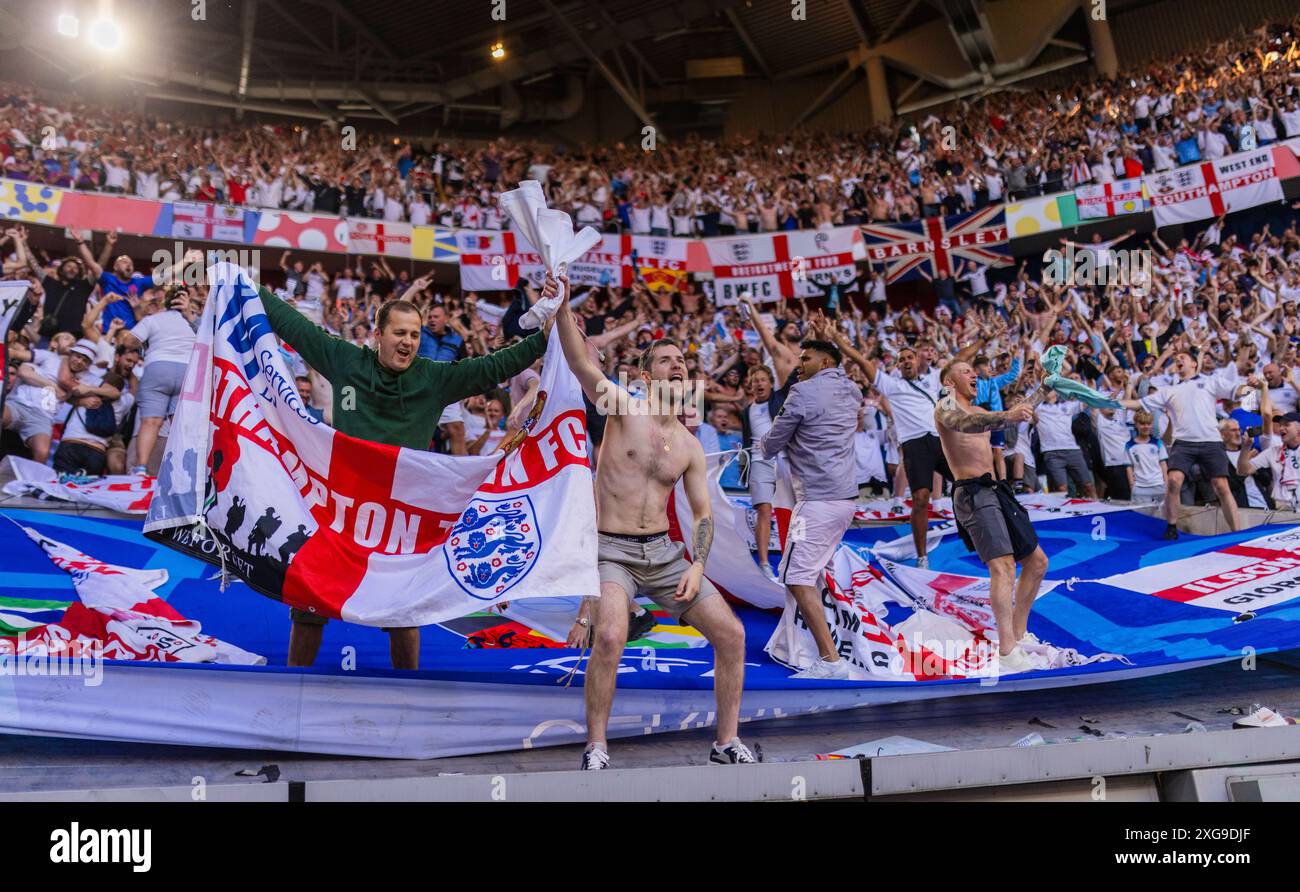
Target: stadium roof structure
[411,63]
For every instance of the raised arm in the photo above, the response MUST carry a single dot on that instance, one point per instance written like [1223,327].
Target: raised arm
[589,375]
[951,415]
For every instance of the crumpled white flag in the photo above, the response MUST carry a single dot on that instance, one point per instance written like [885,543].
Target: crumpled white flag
[551,234]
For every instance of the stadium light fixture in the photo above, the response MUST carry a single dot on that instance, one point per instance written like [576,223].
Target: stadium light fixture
[105,35]
[67,25]
[498,51]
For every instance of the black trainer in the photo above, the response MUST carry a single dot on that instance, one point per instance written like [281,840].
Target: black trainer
[734,753]
[640,624]
[1171,531]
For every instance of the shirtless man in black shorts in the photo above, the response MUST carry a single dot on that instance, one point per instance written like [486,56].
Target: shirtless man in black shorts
[990,520]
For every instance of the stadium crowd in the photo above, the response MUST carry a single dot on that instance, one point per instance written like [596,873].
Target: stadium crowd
[98,359]
[1202,104]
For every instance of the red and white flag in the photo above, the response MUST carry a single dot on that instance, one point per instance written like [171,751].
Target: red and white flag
[128,494]
[1212,188]
[1110,199]
[608,263]
[345,528]
[757,267]
[492,260]
[117,616]
[373,237]
[213,222]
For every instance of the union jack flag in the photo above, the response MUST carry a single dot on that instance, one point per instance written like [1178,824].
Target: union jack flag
[935,243]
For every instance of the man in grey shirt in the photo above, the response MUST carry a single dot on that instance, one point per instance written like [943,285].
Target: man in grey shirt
[815,427]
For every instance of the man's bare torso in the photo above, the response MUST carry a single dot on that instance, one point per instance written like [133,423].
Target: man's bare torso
[969,455]
[636,472]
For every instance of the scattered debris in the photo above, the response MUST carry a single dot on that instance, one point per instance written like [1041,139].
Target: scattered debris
[1232,710]
[1031,739]
[1040,723]
[270,772]
[1088,721]
[1194,728]
[1091,731]
[1183,715]
[895,745]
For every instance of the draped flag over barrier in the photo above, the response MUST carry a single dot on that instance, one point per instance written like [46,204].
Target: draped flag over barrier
[129,494]
[346,528]
[116,616]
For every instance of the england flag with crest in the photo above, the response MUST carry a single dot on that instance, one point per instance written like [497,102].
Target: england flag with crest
[365,532]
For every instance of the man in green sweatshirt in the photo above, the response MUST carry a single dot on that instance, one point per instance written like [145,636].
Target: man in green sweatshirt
[389,395]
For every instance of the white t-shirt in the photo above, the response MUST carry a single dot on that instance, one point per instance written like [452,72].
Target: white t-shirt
[1146,458]
[760,421]
[75,428]
[1285,465]
[913,403]
[166,336]
[1191,406]
[1113,435]
[1054,425]
[1284,398]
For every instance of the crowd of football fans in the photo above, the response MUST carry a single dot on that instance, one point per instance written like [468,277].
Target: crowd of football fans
[97,359]
[1203,104]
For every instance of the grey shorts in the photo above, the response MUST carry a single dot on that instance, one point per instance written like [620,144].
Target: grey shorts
[994,530]
[160,385]
[652,568]
[762,481]
[1064,465]
[29,421]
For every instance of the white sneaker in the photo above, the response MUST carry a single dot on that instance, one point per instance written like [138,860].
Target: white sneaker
[1261,717]
[1030,638]
[594,758]
[923,562]
[824,669]
[1013,663]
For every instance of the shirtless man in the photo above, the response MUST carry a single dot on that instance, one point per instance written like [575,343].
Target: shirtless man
[645,451]
[989,518]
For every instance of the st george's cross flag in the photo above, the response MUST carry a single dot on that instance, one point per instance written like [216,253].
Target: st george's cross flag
[345,528]
[1213,188]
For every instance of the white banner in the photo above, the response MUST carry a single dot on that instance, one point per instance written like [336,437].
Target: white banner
[609,263]
[779,265]
[1110,199]
[1211,188]
[495,261]
[199,220]
[377,237]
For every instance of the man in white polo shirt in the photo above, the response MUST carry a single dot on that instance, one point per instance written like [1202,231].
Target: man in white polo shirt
[1190,403]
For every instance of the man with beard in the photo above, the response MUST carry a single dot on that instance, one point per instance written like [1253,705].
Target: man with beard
[645,452]
[388,395]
